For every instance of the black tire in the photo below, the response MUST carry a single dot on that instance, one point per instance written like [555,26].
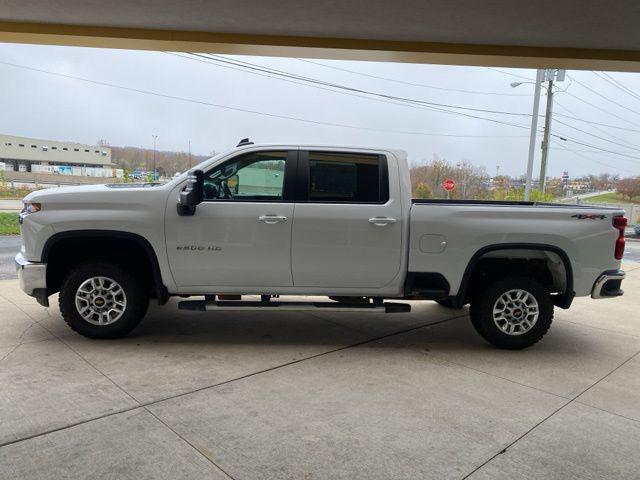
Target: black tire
[137,300]
[447,303]
[483,303]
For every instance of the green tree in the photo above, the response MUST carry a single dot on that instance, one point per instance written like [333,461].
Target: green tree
[517,194]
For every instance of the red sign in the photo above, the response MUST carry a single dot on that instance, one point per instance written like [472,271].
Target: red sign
[448,185]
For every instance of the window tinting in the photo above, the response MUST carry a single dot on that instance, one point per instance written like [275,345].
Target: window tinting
[253,177]
[348,178]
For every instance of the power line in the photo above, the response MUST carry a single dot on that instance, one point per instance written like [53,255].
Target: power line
[597,136]
[590,122]
[602,109]
[244,110]
[595,92]
[510,74]
[624,87]
[612,81]
[628,144]
[595,147]
[267,74]
[574,152]
[243,64]
[262,71]
[405,102]
[423,85]
[252,66]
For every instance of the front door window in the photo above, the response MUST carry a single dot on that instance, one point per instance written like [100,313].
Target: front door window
[256,177]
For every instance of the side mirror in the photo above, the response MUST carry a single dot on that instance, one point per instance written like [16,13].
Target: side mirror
[192,194]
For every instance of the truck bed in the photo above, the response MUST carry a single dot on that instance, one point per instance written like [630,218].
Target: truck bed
[519,203]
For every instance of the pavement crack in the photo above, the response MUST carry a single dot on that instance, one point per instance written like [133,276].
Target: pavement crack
[446,360]
[607,411]
[200,452]
[20,341]
[293,362]
[179,395]
[572,400]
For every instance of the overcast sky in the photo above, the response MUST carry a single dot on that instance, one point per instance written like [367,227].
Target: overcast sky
[37,104]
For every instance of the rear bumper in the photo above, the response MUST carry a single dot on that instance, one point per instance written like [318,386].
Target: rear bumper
[33,278]
[608,285]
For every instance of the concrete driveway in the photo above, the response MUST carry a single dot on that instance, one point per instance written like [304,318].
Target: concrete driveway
[327,395]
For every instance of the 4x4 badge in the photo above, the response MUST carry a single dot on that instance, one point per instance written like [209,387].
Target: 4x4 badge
[588,216]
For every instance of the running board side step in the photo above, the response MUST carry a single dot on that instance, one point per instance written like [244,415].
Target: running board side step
[229,306]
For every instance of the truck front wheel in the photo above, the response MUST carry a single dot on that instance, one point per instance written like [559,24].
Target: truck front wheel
[102,300]
[512,313]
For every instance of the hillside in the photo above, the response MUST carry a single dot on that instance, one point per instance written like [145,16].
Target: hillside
[168,163]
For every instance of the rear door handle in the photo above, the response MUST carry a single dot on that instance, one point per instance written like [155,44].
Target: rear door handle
[382,221]
[272,219]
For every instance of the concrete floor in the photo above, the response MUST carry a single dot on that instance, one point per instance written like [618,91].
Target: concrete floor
[298,395]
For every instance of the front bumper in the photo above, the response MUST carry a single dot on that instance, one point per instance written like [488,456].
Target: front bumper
[608,285]
[33,278]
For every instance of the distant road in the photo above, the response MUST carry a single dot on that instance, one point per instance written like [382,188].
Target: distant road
[583,196]
[10,205]
[632,250]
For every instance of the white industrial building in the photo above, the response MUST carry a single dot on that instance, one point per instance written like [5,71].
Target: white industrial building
[23,154]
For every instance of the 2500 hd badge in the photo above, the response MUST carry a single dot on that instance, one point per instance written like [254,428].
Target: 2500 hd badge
[199,248]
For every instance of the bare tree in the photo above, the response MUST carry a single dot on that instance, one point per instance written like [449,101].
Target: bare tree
[629,187]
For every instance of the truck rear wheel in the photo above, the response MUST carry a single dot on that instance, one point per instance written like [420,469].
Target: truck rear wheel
[101,300]
[512,313]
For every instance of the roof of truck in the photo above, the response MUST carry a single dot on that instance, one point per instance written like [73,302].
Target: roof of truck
[321,146]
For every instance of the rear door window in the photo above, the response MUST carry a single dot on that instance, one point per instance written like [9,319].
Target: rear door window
[346,178]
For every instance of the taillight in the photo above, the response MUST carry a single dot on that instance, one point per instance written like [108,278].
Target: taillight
[620,223]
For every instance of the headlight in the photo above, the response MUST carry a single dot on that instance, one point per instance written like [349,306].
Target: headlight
[31,207]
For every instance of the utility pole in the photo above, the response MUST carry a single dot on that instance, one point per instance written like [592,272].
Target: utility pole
[155,137]
[534,131]
[189,154]
[541,76]
[545,139]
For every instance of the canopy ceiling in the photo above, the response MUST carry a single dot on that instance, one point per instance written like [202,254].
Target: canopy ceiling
[533,33]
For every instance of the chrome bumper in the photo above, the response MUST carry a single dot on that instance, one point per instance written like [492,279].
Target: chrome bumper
[33,278]
[608,285]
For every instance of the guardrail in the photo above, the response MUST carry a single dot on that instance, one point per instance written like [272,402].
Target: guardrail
[52,179]
[632,211]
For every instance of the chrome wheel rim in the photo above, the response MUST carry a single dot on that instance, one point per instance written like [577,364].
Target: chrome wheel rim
[101,300]
[515,312]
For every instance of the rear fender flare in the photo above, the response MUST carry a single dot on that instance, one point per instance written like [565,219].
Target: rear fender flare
[563,300]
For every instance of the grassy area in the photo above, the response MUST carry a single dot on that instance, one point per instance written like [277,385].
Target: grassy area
[9,224]
[611,197]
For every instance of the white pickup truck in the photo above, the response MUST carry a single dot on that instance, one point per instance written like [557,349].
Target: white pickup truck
[276,220]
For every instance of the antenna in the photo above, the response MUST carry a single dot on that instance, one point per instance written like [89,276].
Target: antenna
[244,141]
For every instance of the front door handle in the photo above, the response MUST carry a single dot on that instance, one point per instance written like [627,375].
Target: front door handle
[382,221]
[272,219]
